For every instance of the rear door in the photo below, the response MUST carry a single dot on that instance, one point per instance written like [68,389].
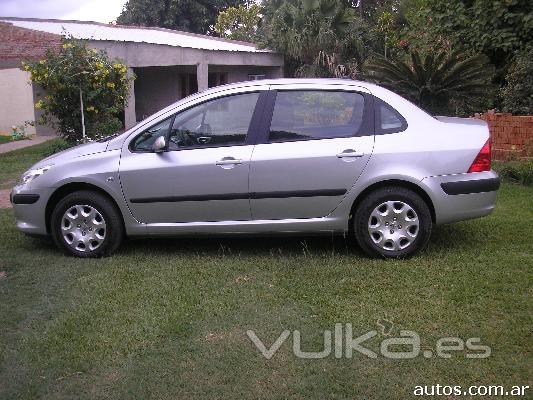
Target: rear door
[318,143]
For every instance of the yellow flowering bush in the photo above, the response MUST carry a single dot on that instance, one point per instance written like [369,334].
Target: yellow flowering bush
[104,86]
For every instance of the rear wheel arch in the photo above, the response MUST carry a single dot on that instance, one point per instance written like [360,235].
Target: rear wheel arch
[393,182]
[69,188]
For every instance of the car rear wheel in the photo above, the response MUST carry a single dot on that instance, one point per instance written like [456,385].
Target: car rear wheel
[87,224]
[392,222]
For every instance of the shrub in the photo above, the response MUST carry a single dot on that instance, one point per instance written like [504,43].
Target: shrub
[79,71]
[106,127]
[440,82]
[516,171]
[517,95]
[57,146]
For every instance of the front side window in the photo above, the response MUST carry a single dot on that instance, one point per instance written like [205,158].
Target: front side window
[315,114]
[220,122]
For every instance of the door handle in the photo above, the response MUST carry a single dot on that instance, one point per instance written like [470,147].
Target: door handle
[203,139]
[350,153]
[228,161]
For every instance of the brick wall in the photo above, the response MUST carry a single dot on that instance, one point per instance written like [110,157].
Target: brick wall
[24,44]
[512,135]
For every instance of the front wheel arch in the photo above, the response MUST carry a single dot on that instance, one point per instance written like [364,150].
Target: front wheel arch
[69,188]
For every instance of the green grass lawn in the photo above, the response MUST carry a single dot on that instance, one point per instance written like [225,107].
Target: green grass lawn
[167,318]
[14,163]
[5,139]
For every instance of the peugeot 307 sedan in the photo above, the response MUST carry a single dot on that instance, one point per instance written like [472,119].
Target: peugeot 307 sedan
[288,156]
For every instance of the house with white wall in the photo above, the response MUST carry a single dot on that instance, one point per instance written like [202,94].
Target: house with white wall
[168,64]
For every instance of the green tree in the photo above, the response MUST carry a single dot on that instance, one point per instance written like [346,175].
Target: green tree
[438,82]
[196,16]
[386,27]
[416,29]
[371,10]
[323,38]
[517,95]
[497,28]
[85,90]
[239,23]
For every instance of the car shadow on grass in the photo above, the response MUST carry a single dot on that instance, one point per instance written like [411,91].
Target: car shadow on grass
[446,238]
[253,246]
[443,239]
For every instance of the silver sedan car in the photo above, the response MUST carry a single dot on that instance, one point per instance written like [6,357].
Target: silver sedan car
[287,156]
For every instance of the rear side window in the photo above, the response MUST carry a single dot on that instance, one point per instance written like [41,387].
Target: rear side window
[315,114]
[388,120]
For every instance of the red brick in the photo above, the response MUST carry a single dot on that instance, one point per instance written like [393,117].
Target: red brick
[507,131]
[25,44]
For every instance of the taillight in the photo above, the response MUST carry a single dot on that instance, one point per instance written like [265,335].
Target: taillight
[482,160]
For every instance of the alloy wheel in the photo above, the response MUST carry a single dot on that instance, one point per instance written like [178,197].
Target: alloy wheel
[393,225]
[83,228]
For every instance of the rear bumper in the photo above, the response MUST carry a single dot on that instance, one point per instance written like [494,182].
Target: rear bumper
[471,186]
[462,196]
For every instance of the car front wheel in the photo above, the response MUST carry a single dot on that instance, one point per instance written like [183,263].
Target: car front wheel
[86,224]
[392,222]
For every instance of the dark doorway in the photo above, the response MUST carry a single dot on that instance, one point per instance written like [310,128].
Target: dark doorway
[189,84]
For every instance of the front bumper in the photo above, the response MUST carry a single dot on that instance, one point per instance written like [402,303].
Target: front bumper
[462,196]
[29,205]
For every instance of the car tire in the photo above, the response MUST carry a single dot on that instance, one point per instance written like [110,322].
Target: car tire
[392,222]
[87,224]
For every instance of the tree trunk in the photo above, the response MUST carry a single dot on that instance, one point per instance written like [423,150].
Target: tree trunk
[82,117]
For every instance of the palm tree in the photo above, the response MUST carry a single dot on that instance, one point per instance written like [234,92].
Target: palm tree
[438,81]
[324,37]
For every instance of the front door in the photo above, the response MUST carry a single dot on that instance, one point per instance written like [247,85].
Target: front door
[204,174]
[319,143]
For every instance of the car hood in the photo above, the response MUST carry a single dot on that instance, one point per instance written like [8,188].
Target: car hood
[78,151]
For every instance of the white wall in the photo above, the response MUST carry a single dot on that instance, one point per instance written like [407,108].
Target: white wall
[241,73]
[149,55]
[16,99]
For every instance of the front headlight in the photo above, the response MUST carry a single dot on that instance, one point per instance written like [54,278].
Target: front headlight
[31,174]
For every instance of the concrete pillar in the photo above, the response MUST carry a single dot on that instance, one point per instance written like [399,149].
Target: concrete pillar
[130,117]
[202,70]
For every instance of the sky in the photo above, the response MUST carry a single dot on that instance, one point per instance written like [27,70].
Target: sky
[83,10]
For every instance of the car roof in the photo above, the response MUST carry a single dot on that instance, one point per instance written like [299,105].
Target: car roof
[362,85]
[299,81]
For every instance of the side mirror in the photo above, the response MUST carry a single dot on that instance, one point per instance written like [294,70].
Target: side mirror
[160,145]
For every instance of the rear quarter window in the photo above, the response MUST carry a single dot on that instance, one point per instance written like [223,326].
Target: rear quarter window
[388,120]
